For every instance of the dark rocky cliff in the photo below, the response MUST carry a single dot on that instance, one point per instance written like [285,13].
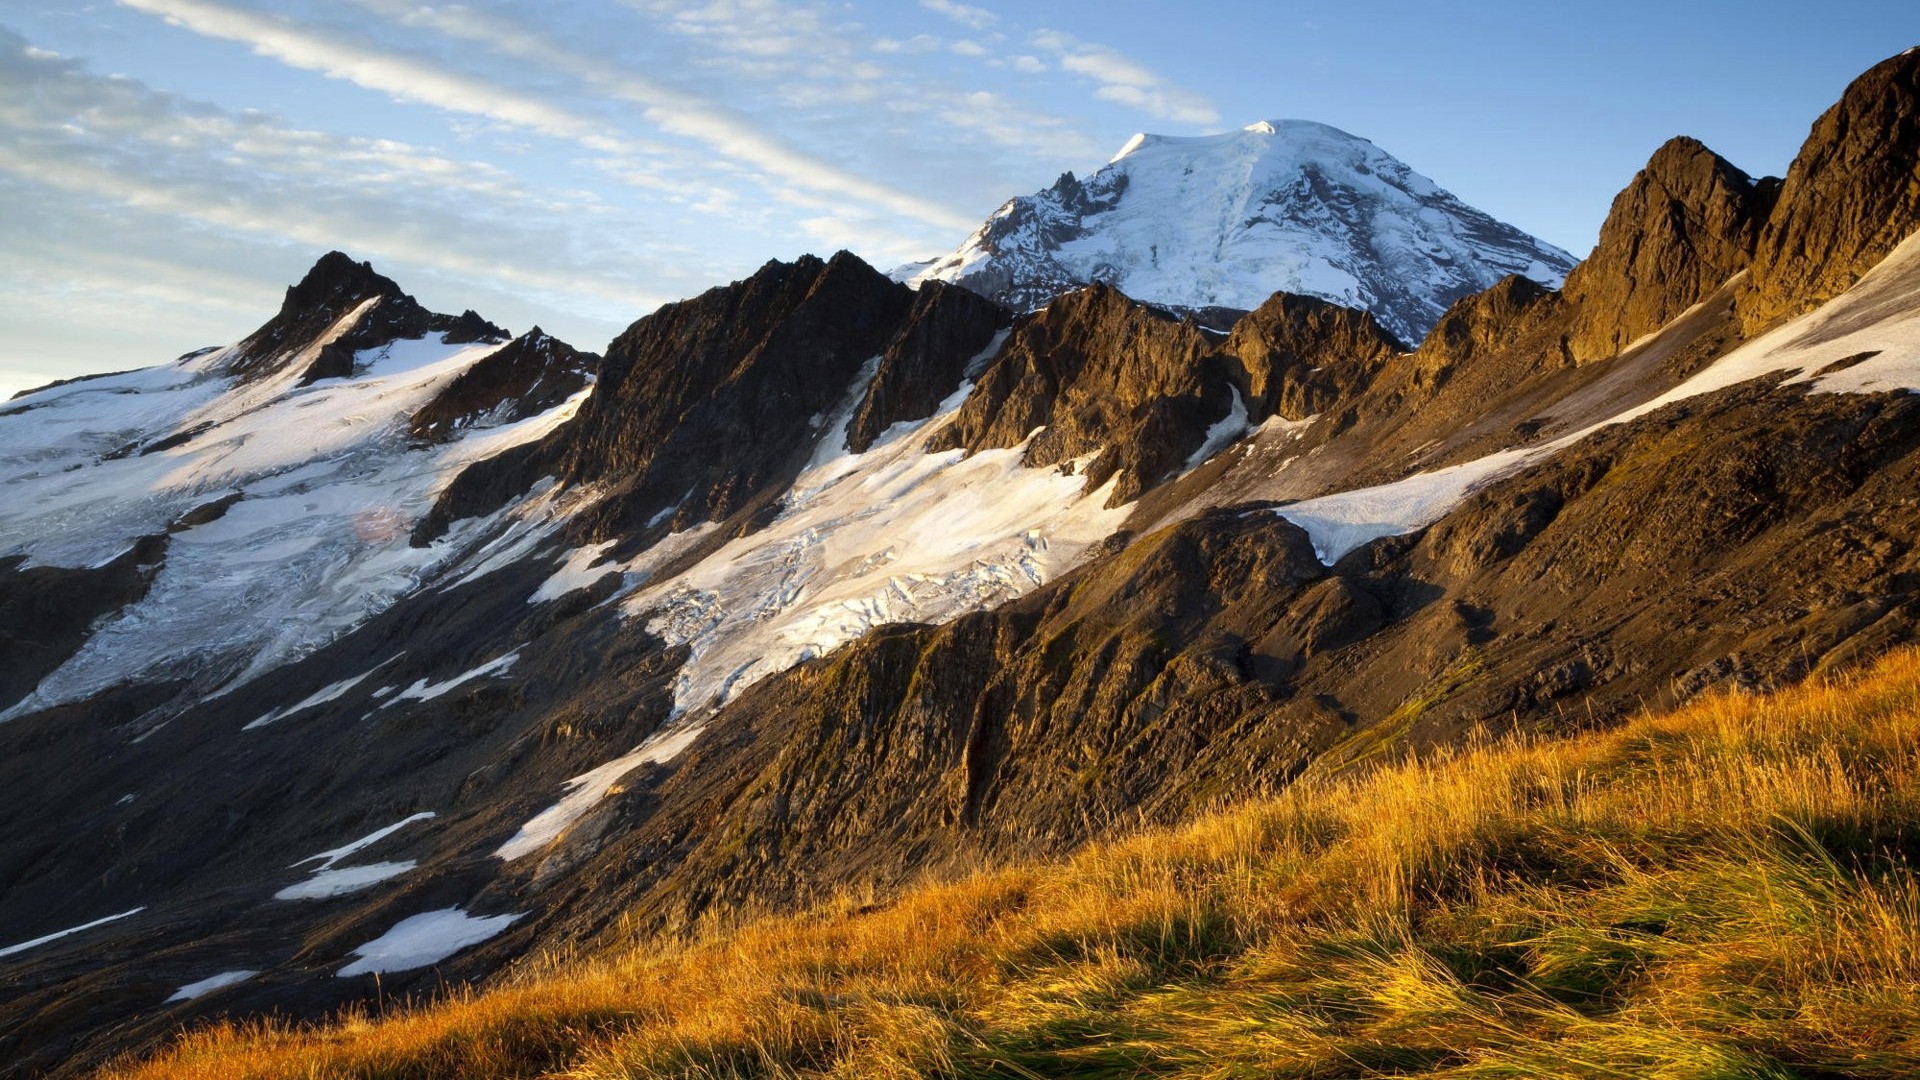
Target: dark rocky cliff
[335,286]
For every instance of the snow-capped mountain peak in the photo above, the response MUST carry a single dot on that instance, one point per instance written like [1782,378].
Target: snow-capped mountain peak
[1227,220]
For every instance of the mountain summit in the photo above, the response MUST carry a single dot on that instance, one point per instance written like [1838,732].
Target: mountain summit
[1228,220]
[378,654]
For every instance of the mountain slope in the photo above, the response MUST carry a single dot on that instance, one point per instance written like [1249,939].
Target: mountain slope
[1228,220]
[270,481]
[1557,909]
[826,586]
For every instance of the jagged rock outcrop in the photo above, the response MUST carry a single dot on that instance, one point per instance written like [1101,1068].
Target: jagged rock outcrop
[1485,346]
[529,375]
[706,405]
[1143,387]
[1686,224]
[335,286]
[1097,372]
[1298,356]
[1850,197]
[707,408]
[946,330]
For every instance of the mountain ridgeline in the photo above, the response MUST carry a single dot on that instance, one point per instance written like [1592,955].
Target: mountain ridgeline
[1224,221]
[385,651]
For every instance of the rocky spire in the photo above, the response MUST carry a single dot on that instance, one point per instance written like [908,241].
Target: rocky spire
[1850,197]
[1686,223]
[332,288]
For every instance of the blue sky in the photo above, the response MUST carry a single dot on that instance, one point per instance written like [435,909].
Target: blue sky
[169,166]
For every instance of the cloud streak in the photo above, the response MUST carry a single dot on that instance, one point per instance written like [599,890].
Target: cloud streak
[815,181]
[1125,81]
[966,15]
[401,77]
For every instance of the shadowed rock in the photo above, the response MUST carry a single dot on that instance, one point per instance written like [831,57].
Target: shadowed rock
[528,376]
[334,287]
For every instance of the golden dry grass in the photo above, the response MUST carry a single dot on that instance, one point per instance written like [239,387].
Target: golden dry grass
[1718,892]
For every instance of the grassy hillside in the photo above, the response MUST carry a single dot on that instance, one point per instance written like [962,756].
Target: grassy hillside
[1720,892]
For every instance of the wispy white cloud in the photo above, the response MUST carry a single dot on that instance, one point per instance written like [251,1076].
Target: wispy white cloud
[965,14]
[1007,123]
[676,112]
[784,171]
[836,66]
[1125,81]
[918,43]
[163,221]
[404,78]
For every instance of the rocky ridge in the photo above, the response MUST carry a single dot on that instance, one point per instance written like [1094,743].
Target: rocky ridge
[1753,522]
[335,287]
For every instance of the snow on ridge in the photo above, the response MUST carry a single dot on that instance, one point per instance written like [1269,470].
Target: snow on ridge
[1227,220]
[329,484]
[1878,319]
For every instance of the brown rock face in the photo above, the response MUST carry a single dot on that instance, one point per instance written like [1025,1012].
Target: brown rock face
[1686,223]
[530,375]
[1851,196]
[1505,320]
[1296,356]
[1097,371]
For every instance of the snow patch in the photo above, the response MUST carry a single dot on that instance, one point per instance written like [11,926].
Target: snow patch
[209,984]
[422,690]
[327,883]
[580,570]
[1224,433]
[321,696]
[1340,523]
[326,859]
[587,789]
[58,934]
[422,940]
